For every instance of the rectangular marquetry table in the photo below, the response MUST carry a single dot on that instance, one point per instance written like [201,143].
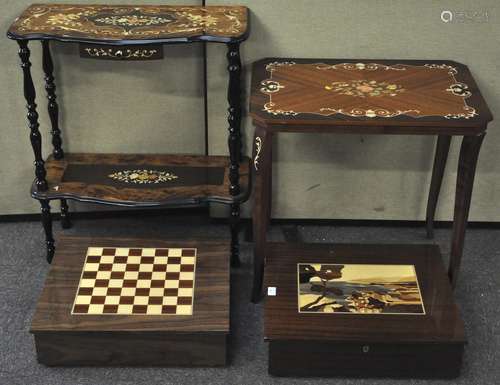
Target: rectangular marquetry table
[112,301]
[372,310]
[370,97]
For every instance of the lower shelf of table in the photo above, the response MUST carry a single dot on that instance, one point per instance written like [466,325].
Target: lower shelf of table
[371,310]
[141,180]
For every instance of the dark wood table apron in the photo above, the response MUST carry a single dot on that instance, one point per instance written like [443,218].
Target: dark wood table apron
[393,97]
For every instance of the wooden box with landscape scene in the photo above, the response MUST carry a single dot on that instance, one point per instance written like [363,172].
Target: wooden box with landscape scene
[361,310]
[134,302]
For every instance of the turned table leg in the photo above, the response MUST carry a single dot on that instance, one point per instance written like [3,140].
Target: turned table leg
[234,143]
[442,150]
[65,219]
[53,109]
[469,153]
[36,143]
[35,136]
[262,171]
[47,226]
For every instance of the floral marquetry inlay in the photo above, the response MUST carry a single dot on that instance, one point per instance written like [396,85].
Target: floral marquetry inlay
[459,89]
[143,176]
[270,86]
[107,22]
[133,20]
[364,90]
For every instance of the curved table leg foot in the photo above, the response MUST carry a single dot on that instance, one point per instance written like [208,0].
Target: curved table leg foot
[442,150]
[469,154]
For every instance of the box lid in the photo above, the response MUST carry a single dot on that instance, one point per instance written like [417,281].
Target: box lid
[360,293]
[111,284]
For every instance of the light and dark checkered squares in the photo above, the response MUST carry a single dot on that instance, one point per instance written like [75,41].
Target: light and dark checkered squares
[128,281]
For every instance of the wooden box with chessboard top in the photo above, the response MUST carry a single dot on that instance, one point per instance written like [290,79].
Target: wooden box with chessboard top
[134,302]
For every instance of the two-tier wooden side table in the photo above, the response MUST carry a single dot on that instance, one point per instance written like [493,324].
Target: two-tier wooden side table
[377,97]
[133,33]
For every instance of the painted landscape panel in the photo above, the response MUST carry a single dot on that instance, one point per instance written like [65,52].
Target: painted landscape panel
[358,289]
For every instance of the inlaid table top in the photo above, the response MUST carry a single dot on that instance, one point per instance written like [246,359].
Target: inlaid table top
[129,24]
[366,93]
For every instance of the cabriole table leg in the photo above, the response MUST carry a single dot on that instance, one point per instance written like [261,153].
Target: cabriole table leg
[262,170]
[442,150]
[469,153]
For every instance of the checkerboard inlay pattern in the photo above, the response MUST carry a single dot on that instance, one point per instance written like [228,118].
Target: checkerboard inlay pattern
[143,281]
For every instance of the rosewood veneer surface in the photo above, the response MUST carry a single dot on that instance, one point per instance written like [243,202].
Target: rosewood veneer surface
[367,96]
[131,24]
[97,178]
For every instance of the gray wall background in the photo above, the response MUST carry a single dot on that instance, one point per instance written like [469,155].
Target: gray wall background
[158,106]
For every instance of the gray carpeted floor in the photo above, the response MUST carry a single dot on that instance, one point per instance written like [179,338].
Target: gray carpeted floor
[23,269]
